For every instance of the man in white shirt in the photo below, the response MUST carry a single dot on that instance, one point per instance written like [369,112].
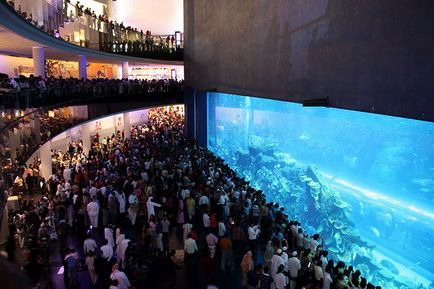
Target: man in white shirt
[185,193]
[150,206]
[314,243]
[93,212]
[123,248]
[108,235]
[60,189]
[67,188]
[327,279]
[190,246]
[107,251]
[253,232]
[121,200]
[324,259]
[165,230]
[89,245]
[124,283]
[145,177]
[133,208]
[190,249]
[222,229]
[285,258]
[119,240]
[294,266]
[203,201]
[280,279]
[206,221]
[222,199]
[276,261]
[319,274]
[67,173]
[103,191]
[186,229]
[300,239]
[92,191]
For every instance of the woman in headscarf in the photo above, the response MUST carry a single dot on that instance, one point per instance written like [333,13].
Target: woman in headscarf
[268,254]
[246,266]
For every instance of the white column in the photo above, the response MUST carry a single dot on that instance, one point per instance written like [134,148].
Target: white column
[45,155]
[145,118]
[127,125]
[82,66]
[39,61]
[85,136]
[125,69]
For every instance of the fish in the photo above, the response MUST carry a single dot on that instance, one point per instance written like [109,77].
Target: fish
[304,136]
[351,161]
[423,182]
[220,127]
[414,265]
[375,231]
[385,217]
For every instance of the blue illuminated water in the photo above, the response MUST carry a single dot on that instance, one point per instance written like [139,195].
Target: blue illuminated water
[365,181]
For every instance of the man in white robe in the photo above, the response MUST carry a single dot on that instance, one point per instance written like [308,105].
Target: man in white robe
[107,251]
[276,261]
[150,206]
[93,212]
[108,235]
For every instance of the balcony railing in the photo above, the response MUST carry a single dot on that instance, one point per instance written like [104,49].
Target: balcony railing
[60,90]
[81,27]
[22,132]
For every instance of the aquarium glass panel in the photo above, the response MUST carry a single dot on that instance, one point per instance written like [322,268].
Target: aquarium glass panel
[364,181]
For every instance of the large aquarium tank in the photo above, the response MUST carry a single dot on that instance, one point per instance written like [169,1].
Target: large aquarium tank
[364,181]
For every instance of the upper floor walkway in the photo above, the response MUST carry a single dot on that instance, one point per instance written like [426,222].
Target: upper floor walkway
[34,110]
[73,26]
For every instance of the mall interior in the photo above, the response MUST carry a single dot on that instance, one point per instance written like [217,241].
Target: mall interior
[216,144]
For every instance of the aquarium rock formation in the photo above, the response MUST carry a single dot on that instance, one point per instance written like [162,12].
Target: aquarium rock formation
[307,196]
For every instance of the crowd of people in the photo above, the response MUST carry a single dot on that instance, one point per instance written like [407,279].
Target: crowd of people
[49,127]
[129,200]
[54,89]
[36,92]
[113,36]
[118,37]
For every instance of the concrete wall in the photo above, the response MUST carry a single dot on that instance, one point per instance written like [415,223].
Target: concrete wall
[368,55]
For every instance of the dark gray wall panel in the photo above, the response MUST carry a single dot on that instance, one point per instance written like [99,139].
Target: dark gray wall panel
[369,55]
